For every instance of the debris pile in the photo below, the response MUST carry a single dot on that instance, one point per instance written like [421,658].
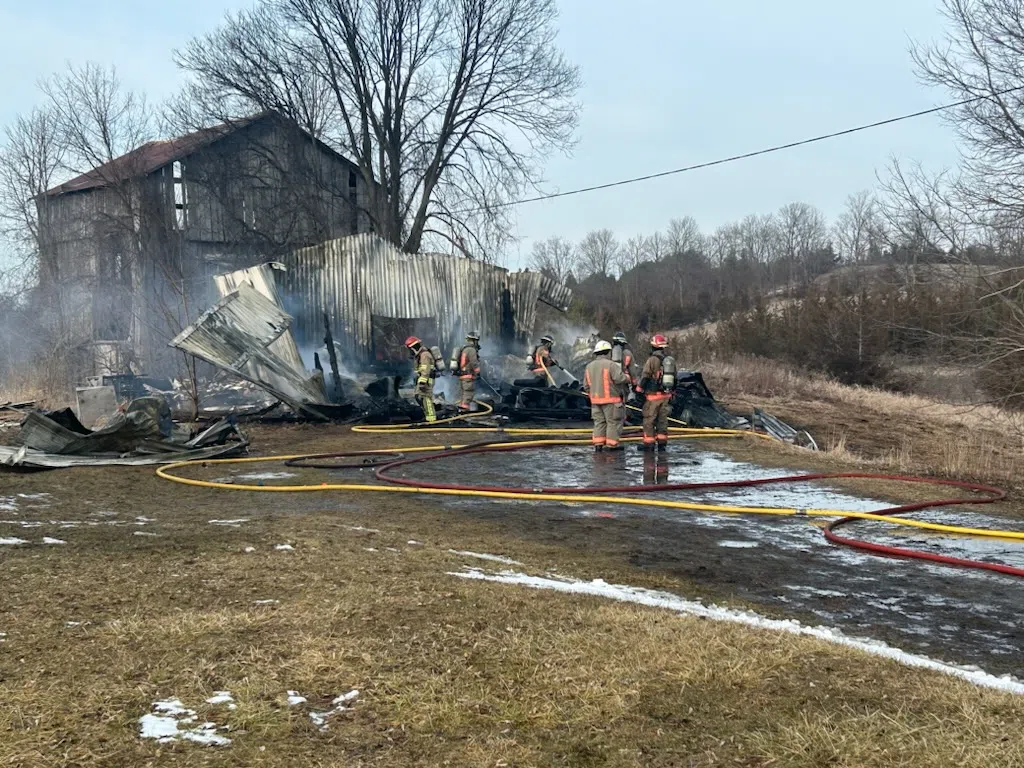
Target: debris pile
[139,434]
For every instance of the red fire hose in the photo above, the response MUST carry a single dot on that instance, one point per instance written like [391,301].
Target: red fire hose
[989,495]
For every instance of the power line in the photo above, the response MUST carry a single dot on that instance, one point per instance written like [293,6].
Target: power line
[757,153]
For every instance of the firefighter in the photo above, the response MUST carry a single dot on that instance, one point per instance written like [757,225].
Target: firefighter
[656,404]
[623,355]
[425,371]
[604,381]
[540,362]
[469,370]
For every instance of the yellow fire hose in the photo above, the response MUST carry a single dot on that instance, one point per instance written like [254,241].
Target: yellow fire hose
[557,437]
[167,473]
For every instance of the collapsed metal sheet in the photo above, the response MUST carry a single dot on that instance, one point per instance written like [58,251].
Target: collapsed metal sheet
[24,457]
[236,335]
[355,278]
[262,279]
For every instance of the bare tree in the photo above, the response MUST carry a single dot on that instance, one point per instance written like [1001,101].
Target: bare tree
[597,253]
[634,252]
[802,235]
[859,230]
[555,257]
[685,244]
[447,106]
[684,235]
[981,63]
[30,161]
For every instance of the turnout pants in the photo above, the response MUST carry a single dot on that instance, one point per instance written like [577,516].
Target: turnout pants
[656,421]
[425,397]
[608,420]
[467,387]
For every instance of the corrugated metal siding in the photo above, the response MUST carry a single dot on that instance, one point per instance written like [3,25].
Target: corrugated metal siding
[235,334]
[262,279]
[355,278]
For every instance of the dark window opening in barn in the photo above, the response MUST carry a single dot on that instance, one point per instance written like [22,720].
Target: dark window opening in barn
[180,197]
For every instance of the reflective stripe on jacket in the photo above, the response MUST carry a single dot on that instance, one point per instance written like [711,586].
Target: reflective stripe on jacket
[425,364]
[603,380]
[650,379]
[541,353]
[469,362]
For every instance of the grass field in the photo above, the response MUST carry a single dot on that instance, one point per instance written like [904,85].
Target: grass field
[323,595]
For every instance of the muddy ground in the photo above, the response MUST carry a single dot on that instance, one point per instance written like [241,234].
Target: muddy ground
[781,567]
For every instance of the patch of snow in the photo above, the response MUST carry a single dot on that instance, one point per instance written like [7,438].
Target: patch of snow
[232,523]
[12,541]
[481,556]
[265,602]
[254,476]
[728,544]
[369,549]
[265,476]
[249,549]
[3,637]
[223,697]
[295,698]
[172,707]
[414,543]
[320,718]
[392,549]
[284,547]
[657,599]
[361,528]
[165,725]
[34,496]
[48,540]
[346,697]
[816,591]
[158,727]
[205,735]
[144,533]
[72,623]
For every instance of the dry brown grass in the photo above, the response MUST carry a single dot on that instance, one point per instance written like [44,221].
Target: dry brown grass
[42,384]
[450,672]
[867,426]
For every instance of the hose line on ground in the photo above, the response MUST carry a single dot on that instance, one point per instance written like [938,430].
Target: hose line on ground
[591,495]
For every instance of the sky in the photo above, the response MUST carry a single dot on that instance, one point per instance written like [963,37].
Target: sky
[667,83]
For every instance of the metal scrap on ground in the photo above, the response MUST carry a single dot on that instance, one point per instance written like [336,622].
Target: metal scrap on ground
[141,434]
[237,335]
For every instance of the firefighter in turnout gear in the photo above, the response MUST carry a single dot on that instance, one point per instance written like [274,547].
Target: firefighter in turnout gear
[469,370]
[623,355]
[604,381]
[656,406]
[425,370]
[540,362]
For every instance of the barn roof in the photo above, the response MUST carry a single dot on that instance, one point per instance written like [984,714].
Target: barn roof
[155,155]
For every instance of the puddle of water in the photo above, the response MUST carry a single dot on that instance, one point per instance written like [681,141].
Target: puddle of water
[787,562]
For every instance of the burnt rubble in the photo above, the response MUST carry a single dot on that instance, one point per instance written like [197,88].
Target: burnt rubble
[141,433]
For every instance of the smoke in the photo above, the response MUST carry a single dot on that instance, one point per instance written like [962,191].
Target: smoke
[307,351]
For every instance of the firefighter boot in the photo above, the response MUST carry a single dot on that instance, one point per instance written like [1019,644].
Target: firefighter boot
[663,445]
[645,447]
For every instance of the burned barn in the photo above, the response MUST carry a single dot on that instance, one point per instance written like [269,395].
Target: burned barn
[374,296]
[130,248]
